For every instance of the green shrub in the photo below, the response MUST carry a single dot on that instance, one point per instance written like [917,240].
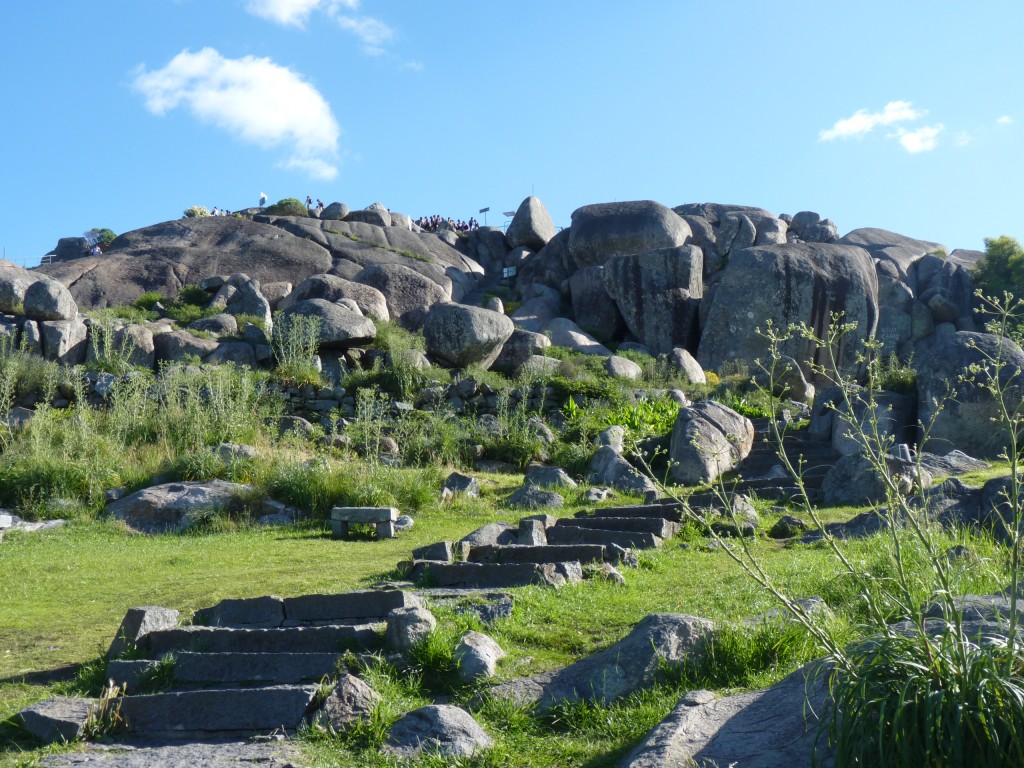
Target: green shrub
[433,439]
[195,211]
[894,376]
[402,376]
[295,340]
[193,294]
[148,300]
[111,348]
[645,418]
[289,206]
[1001,270]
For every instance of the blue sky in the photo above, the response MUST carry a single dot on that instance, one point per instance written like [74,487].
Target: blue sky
[121,113]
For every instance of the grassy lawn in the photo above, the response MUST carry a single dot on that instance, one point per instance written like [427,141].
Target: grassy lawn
[65,591]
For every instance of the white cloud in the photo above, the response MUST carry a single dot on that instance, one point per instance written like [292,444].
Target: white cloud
[252,99]
[1004,120]
[863,122]
[374,34]
[963,138]
[923,139]
[294,12]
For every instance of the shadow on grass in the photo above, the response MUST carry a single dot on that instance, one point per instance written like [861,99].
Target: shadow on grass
[45,677]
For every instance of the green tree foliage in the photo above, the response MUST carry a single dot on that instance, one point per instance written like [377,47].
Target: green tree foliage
[287,207]
[195,211]
[103,236]
[1002,268]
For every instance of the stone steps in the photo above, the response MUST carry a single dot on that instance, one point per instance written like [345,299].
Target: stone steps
[552,553]
[564,534]
[239,669]
[659,526]
[664,508]
[358,607]
[323,639]
[492,575]
[187,714]
[779,492]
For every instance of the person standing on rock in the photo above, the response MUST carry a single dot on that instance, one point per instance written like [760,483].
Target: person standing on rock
[309,201]
[263,199]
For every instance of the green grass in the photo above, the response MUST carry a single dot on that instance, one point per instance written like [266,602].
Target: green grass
[103,569]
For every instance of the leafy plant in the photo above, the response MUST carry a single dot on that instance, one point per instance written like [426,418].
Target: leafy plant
[148,299]
[288,206]
[295,341]
[111,349]
[193,294]
[195,211]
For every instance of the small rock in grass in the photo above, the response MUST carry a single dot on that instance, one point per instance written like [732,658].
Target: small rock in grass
[531,497]
[351,700]
[439,728]
[477,655]
[604,572]
[408,626]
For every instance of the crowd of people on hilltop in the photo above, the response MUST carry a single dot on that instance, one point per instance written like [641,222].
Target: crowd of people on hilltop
[434,223]
[215,211]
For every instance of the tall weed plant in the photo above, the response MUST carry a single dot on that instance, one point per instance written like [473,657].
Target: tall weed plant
[919,691]
[295,340]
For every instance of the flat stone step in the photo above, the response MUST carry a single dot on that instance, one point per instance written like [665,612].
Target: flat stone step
[670,510]
[492,575]
[359,607]
[770,493]
[326,639]
[237,668]
[346,607]
[564,534]
[659,526]
[221,711]
[498,553]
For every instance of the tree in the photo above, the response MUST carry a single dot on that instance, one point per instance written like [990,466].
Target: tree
[100,236]
[1002,268]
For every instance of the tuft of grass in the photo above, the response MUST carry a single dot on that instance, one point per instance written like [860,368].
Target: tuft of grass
[930,701]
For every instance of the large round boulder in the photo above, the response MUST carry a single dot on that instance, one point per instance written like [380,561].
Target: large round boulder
[340,327]
[531,226]
[658,294]
[958,413]
[785,284]
[602,231]
[460,335]
[48,299]
[708,439]
[331,288]
[409,295]
[14,281]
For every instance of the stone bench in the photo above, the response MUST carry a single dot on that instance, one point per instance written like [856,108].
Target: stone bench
[382,518]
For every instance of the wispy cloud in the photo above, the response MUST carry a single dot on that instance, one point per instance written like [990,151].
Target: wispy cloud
[1004,120]
[252,99]
[862,122]
[963,138]
[373,34]
[294,12]
[923,139]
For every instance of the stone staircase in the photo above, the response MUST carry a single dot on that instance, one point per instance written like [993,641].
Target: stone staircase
[248,667]
[548,551]
[760,473]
